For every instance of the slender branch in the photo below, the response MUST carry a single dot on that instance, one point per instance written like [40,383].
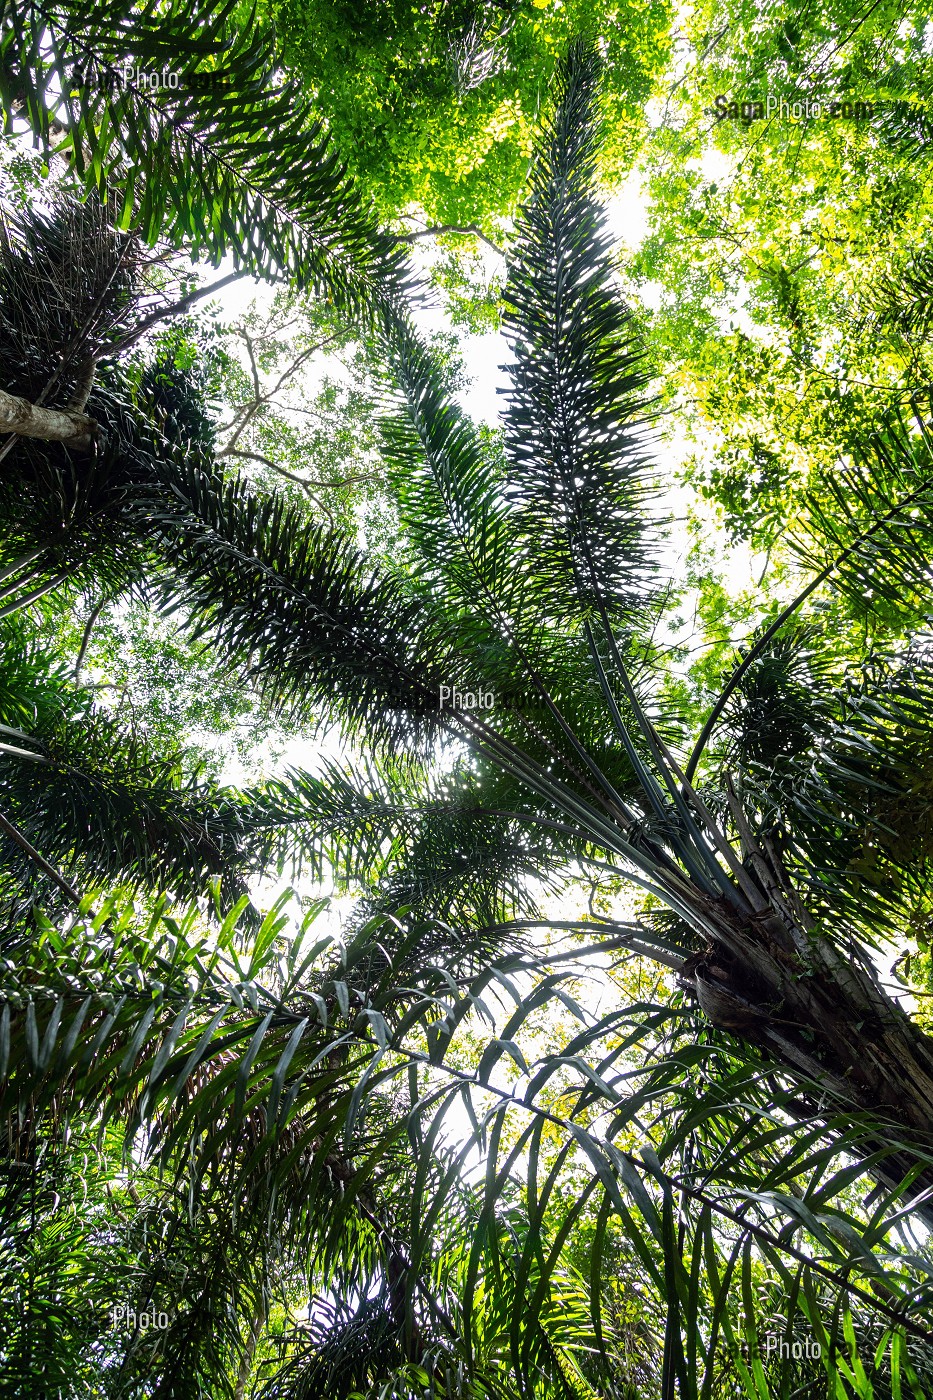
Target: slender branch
[251,408]
[89,628]
[306,486]
[164,312]
[438,231]
[254,369]
[22,562]
[20,840]
[14,752]
[296,364]
[256,1324]
[246,411]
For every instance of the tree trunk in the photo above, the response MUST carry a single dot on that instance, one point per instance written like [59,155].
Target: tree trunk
[774,980]
[256,1324]
[27,419]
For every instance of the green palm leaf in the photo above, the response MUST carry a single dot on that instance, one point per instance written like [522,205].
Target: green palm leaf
[579,469]
[225,158]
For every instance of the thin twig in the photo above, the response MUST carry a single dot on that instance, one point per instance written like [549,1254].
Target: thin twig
[438,230]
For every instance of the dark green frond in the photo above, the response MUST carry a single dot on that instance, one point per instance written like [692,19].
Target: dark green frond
[101,805]
[442,851]
[32,679]
[905,301]
[870,532]
[68,288]
[75,516]
[185,114]
[579,467]
[838,772]
[343,1349]
[449,487]
[310,616]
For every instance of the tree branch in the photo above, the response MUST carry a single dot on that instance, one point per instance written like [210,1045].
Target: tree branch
[84,385]
[19,839]
[14,752]
[64,425]
[175,309]
[89,627]
[438,231]
[282,471]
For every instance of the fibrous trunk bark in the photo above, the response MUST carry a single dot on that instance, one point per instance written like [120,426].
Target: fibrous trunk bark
[776,981]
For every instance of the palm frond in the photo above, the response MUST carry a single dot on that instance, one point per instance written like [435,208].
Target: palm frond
[575,426]
[183,114]
[436,847]
[448,482]
[313,1095]
[69,283]
[102,806]
[904,301]
[874,522]
[310,616]
[836,769]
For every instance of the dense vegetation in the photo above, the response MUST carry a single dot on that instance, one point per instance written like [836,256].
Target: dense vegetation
[457,938]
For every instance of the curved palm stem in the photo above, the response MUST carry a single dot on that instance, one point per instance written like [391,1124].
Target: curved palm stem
[39,860]
[21,563]
[48,587]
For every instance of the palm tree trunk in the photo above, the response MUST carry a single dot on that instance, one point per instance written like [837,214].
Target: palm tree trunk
[27,419]
[778,983]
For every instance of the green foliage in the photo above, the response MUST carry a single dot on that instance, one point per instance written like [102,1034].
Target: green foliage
[435,107]
[467,1145]
[260,1078]
[98,798]
[297,393]
[783,255]
[575,423]
[171,689]
[192,160]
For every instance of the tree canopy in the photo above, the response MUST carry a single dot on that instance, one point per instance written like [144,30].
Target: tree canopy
[556,1022]
[435,106]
